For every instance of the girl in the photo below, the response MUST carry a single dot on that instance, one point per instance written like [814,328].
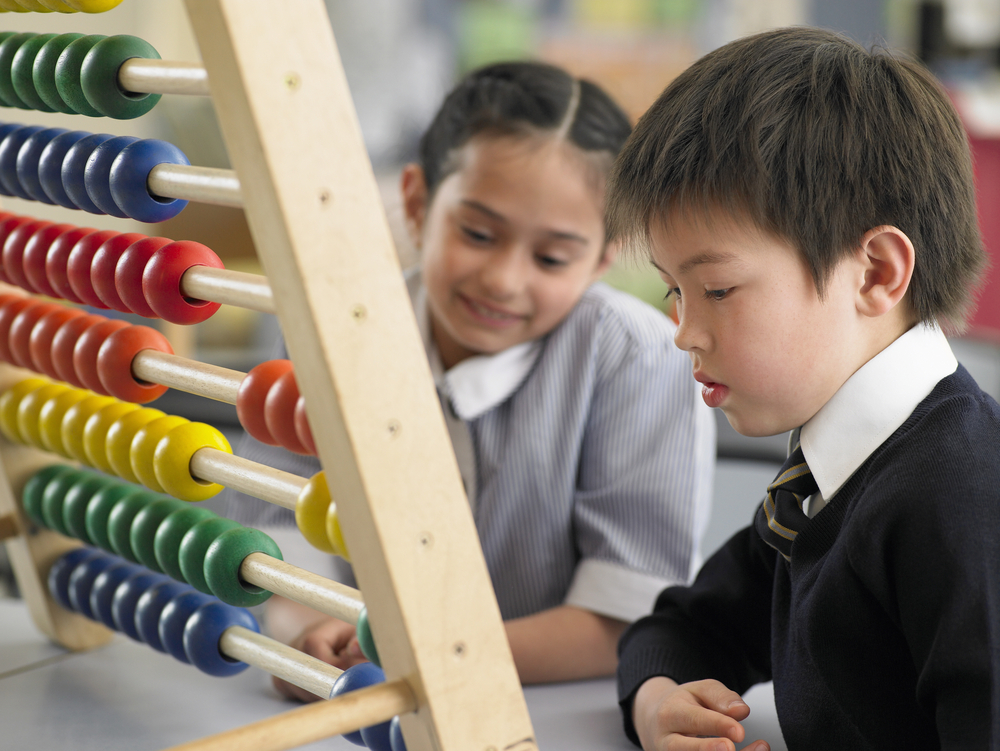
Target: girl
[586,452]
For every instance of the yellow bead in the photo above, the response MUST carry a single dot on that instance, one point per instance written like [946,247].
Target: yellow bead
[172,460]
[58,5]
[95,433]
[12,6]
[29,411]
[143,448]
[75,420]
[9,402]
[93,6]
[51,418]
[34,6]
[335,534]
[118,445]
[310,513]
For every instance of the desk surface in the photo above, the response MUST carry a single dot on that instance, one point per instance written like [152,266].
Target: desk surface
[128,696]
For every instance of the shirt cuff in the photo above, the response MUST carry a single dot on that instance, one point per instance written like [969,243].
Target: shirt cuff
[615,591]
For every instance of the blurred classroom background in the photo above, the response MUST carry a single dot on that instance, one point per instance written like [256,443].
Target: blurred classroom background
[402,56]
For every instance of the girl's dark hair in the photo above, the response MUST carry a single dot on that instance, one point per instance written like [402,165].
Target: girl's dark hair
[817,140]
[521,98]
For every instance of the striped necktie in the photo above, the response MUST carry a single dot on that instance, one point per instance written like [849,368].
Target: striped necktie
[780,518]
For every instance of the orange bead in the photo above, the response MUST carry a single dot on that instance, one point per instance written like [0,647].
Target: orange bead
[114,363]
[86,349]
[19,338]
[64,341]
[279,412]
[40,341]
[251,397]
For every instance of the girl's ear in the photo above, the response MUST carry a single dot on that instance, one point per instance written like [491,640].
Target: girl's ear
[413,186]
[888,258]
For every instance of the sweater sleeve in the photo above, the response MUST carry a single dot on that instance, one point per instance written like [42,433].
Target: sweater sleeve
[719,627]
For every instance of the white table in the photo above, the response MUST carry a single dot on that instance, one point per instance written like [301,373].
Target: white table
[126,696]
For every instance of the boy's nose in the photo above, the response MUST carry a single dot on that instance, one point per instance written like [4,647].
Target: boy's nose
[689,335]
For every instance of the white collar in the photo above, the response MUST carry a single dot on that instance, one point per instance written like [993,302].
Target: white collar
[478,384]
[873,403]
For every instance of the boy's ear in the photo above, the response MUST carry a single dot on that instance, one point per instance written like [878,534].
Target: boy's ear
[887,258]
[413,186]
[608,257]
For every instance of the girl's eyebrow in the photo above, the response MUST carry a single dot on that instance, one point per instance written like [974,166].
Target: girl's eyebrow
[556,234]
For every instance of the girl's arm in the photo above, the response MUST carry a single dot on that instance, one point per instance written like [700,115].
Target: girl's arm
[564,643]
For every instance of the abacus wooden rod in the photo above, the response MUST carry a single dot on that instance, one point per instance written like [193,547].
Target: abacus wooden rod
[201,184]
[305,587]
[191,376]
[298,668]
[251,291]
[143,76]
[313,722]
[259,480]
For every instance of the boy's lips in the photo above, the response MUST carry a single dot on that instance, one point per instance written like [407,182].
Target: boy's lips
[489,315]
[712,392]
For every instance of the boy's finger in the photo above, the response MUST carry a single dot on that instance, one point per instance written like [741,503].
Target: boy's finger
[693,720]
[715,695]
[676,742]
[758,746]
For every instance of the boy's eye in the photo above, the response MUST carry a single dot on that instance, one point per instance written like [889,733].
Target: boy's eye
[717,294]
[674,292]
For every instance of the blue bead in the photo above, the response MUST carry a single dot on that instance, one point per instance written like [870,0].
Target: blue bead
[130,172]
[74,168]
[9,148]
[150,607]
[396,735]
[125,601]
[103,592]
[361,675]
[175,617]
[376,737]
[97,174]
[203,631]
[62,569]
[50,164]
[81,581]
[28,159]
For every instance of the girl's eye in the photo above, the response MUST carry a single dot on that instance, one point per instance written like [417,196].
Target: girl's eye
[717,294]
[476,235]
[550,262]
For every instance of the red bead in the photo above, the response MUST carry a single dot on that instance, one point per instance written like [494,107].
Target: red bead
[40,342]
[161,282]
[19,338]
[64,342]
[9,310]
[57,259]
[302,429]
[279,412]
[251,396]
[128,274]
[35,253]
[13,251]
[85,353]
[114,363]
[78,266]
[102,269]
[7,225]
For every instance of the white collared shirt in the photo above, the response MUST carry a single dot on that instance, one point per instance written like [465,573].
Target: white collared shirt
[870,407]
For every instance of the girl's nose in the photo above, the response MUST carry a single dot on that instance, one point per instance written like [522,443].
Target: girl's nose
[505,273]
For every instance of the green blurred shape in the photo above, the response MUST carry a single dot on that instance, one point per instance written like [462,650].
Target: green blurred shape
[491,30]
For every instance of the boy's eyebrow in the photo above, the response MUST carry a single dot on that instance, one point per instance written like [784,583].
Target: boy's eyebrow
[708,256]
[476,206]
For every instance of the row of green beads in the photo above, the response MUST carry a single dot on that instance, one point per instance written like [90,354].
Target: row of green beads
[164,534]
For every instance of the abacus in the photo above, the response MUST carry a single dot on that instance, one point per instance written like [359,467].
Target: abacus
[359,394]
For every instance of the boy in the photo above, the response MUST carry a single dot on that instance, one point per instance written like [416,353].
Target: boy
[811,206]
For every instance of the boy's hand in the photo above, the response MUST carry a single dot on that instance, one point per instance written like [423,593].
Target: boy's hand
[698,716]
[330,640]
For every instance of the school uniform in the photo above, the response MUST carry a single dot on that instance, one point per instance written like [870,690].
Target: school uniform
[883,629]
[587,456]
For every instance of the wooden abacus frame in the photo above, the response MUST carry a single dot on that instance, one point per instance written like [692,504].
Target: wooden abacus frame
[314,211]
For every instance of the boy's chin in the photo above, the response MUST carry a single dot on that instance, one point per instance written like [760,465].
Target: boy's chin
[754,426]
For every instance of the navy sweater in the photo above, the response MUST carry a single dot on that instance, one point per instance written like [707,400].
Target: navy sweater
[884,630]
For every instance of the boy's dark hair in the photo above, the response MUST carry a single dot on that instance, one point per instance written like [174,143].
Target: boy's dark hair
[520,98]
[816,140]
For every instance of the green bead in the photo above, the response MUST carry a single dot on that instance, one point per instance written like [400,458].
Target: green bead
[365,639]
[31,496]
[78,497]
[167,541]
[144,528]
[9,48]
[99,509]
[120,521]
[222,565]
[54,496]
[99,77]
[21,72]
[43,72]
[68,74]
[195,545]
